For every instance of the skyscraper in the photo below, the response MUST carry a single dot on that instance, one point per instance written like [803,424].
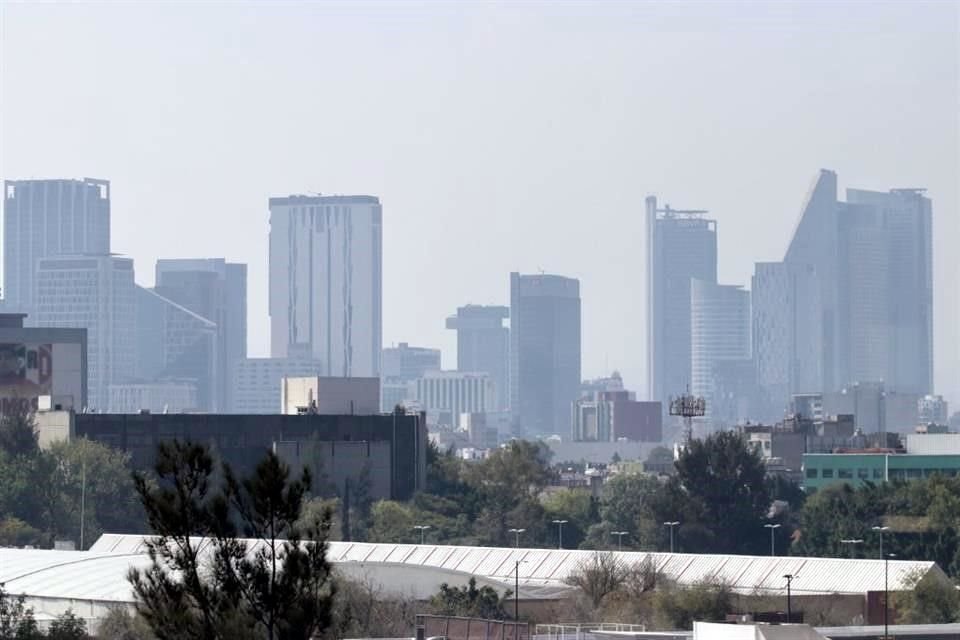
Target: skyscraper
[216,290]
[719,334]
[787,326]
[175,344]
[544,352]
[95,293]
[681,246]
[45,218]
[874,295]
[483,344]
[908,256]
[326,282]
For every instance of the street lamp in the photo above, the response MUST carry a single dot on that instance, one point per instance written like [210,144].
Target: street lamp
[619,535]
[852,542]
[886,593]
[789,577]
[880,530]
[517,532]
[560,524]
[773,546]
[422,528]
[671,525]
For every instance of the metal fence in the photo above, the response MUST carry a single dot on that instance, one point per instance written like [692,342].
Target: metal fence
[582,630]
[457,628]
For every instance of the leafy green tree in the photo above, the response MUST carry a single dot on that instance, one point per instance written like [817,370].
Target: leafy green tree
[470,602]
[16,619]
[278,588]
[677,608]
[14,532]
[67,626]
[120,624]
[392,522]
[577,507]
[509,477]
[627,505]
[598,576]
[720,496]
[930,600]
[18,432]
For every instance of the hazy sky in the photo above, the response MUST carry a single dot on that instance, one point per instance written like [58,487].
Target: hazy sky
[499,137]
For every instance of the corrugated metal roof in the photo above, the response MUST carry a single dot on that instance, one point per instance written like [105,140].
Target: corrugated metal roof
[101,572]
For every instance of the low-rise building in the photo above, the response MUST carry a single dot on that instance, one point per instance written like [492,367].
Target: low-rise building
[606,416]
[856,468]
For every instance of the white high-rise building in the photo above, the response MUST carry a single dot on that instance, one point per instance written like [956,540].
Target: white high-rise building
[44,218]
[326,282]
[95,293]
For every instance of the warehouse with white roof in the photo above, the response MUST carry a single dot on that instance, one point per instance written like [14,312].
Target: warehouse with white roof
[90,582]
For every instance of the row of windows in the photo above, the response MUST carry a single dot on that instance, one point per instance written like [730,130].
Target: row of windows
[877,474]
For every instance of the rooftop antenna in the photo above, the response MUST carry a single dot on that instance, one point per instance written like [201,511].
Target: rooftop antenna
[688,407]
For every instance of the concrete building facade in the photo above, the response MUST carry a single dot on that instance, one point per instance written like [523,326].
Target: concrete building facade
[95,293]
[326,273]
[330,396]
[544,352]
[44,218]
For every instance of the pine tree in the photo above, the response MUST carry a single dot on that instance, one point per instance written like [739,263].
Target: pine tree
[276,585]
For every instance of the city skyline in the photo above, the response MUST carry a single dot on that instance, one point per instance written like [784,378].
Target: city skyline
[882,121]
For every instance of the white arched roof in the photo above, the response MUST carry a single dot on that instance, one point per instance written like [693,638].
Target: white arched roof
[97,578]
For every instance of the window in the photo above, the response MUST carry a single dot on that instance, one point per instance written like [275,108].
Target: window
[914,474]
[811,473]
[863,474]
[828,473]
[845,474]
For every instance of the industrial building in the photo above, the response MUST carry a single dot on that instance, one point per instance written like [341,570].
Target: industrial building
[390,449]
[91,582]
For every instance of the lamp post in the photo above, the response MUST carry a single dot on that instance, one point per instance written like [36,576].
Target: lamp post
[880,530]
[789,577]
[886,594]
[422,528]
[517,533]
[560,524]
[671,525]
[853,542]
[773,543]
[619,535]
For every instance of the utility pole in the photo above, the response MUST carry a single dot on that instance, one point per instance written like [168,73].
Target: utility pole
[789,578]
